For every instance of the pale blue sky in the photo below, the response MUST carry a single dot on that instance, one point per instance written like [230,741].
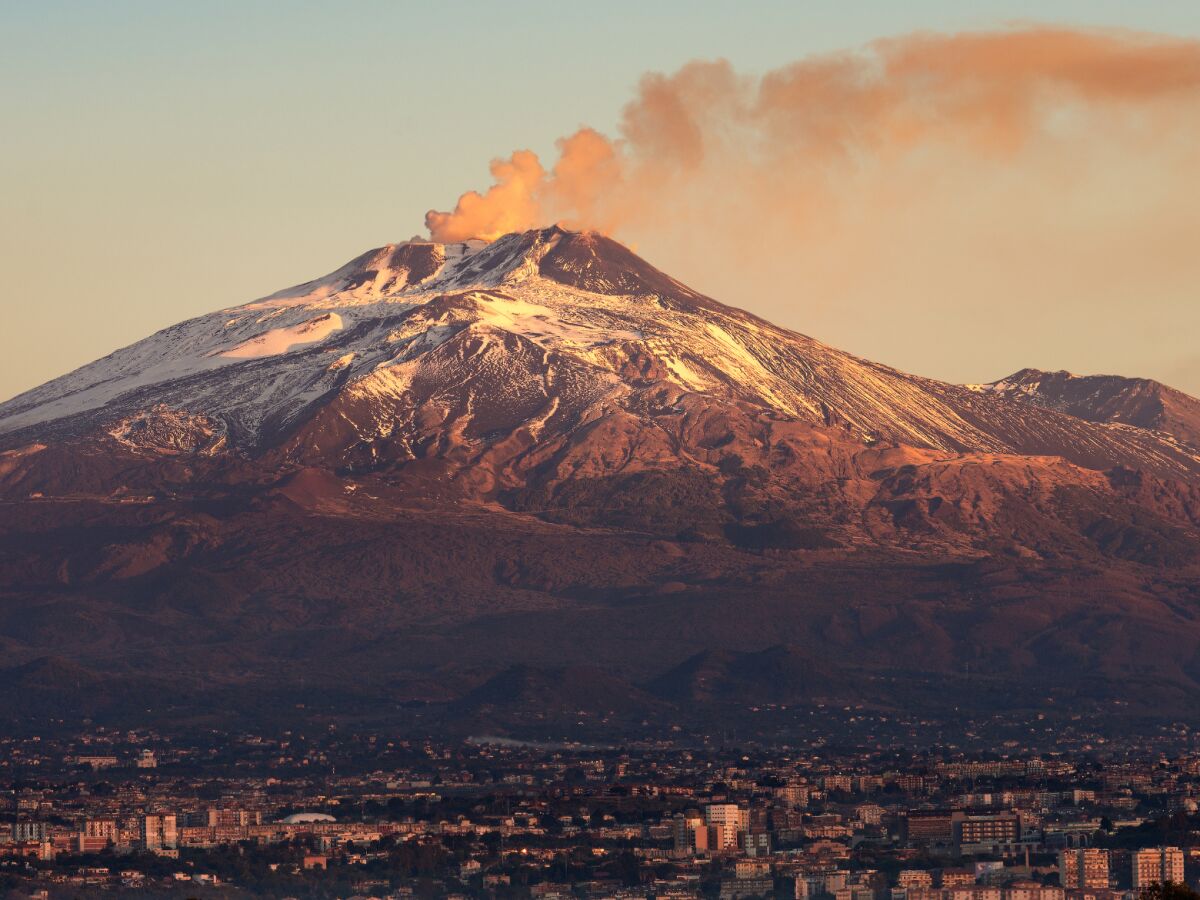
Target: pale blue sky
[162,159]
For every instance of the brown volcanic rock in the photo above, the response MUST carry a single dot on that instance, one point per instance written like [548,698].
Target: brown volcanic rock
[546,453]
[404,353]
[374,588]
[776,674]
[601,265]
[1137,402]
[555,692]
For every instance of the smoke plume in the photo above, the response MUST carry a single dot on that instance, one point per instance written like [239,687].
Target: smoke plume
[1042,163]
[706,126]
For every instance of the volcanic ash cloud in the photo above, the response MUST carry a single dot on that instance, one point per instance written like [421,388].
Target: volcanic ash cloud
[803,144]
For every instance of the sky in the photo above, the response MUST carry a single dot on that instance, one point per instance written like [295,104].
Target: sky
[162,160]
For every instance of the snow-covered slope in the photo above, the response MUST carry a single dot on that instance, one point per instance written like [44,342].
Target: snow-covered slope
[542,329]
[1140,402]
[439,457]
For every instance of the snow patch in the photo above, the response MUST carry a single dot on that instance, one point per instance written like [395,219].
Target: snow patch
[282,340]
[341,362]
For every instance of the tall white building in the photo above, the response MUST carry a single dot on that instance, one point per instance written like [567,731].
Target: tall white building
[690,833]
[1157,865]
[726,823]
[1085,869]
[821,885]
[29,831]
[159,832]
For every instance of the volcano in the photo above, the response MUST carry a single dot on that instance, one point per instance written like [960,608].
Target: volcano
[443,463]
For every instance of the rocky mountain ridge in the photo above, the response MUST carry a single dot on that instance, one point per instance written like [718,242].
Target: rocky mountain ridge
[443,461]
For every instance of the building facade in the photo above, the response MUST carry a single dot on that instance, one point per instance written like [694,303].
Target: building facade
[1157,865]
[1085,869]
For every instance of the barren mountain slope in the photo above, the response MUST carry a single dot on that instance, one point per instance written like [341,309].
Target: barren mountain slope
[443,461]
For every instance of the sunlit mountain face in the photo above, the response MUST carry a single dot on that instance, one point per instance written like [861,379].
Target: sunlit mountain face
[442,461]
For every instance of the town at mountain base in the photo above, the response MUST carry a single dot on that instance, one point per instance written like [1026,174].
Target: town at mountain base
[538,485]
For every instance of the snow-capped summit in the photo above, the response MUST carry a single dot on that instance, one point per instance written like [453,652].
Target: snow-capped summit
[537,332]
[445,457]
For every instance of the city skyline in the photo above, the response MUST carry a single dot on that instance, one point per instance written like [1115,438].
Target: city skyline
[638,451]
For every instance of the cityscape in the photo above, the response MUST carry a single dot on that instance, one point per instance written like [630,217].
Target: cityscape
[614,451]
[367,814]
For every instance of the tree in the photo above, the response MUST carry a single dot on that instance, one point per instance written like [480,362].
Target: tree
[1171,890]
[629,870]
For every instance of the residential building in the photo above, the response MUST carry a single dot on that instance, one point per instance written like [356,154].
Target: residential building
[993,828]
[727,822]
[1157,865]
[930,826]
[914,878]
[29,831]
[158,832]
[1083,869]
